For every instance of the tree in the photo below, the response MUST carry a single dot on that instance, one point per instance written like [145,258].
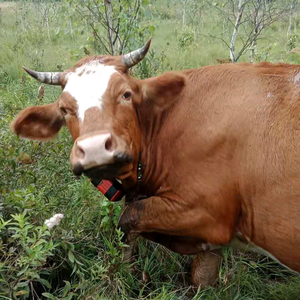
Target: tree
[113,22]
[293,8]
[249,18]
[241,7]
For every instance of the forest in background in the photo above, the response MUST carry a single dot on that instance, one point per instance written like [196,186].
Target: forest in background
[82,258]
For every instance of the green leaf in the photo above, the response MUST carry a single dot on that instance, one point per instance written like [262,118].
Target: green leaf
[78,262]
[70,296]
[105,220]
[151,29]
[22,292]
[67,288]
[49,296]
[71,256]
[23,270]
[22,284]
[45,282]
[41,241]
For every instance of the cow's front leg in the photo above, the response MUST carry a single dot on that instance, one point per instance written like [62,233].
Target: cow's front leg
[172,216]
[131,251]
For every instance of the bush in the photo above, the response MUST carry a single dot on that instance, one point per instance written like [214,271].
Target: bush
[292,41]
[186,37]
[25,249]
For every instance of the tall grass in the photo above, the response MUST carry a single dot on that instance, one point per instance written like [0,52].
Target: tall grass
[82,258]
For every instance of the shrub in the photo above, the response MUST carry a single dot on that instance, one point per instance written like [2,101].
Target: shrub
[186,37]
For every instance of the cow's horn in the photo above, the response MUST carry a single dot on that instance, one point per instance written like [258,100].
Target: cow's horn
[134,57]
[54,78]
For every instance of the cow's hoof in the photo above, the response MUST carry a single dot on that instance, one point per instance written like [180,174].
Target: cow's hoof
[205,268]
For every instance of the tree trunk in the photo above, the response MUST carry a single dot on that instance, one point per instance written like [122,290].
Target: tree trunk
[236,29]
[183,14]
[290,19]
[256,24]
[109,19]
[71,29]
[47,21]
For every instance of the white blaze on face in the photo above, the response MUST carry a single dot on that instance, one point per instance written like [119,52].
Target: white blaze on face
[88,84]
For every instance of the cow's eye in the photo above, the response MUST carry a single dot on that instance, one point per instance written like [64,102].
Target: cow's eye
[64,111]
[127,96]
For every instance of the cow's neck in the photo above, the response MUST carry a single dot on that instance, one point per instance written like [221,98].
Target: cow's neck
[151,122]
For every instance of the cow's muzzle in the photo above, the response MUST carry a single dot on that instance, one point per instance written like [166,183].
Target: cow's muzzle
[101,152]
[109,171]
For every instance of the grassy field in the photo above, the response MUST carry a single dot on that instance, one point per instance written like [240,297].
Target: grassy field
[82,258]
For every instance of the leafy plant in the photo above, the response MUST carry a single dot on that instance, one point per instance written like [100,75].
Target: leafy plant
[25,249]
[187,37]
[114,24]
[292,41]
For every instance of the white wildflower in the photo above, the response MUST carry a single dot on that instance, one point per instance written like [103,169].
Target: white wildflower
[54,221]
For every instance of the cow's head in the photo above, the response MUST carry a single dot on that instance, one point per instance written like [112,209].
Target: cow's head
[98,104]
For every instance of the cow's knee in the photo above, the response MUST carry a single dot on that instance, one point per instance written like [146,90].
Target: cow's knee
[205,268]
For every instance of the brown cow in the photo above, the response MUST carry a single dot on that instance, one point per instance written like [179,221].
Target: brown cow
[219,148]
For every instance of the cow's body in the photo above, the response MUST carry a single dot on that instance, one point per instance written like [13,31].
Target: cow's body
[219,144]
[230,146]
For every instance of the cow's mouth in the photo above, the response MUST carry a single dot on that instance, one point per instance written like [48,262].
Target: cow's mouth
[108,171]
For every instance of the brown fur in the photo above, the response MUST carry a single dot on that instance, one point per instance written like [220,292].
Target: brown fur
[39,122]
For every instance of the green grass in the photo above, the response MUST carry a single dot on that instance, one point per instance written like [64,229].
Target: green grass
[82,258]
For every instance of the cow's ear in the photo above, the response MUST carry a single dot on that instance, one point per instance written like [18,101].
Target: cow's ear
[39,122]
[164,90]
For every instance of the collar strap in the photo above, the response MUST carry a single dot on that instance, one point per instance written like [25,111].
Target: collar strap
[140,165]
[112,190]
[140,169]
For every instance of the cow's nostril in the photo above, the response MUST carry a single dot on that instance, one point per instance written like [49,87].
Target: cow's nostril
[109,144]
[79,152]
